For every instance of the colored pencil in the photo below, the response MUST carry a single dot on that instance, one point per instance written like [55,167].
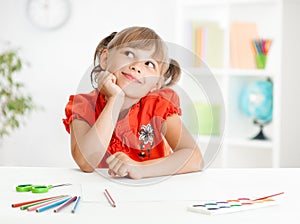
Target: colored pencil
[65,204]
[35,207]
[273,195]
[24,207]
[253,47]
[267,45]
[261,46]
[109,198]
[52,205]
[76,204]
[30,202]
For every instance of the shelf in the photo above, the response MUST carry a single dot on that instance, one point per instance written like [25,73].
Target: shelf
[207,138]
[237,148]
[207,71]
[224,2]
[265,144]
[250,72]
[237,142]
[231,72]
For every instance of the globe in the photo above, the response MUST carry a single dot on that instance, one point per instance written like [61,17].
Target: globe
[257,103]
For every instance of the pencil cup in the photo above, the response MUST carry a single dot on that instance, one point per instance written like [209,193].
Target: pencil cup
[261,61]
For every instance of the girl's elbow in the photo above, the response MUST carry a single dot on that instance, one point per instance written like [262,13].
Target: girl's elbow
[197,166]
[200,166]
[83,165]
[81,162]
[198,161]
[86,168]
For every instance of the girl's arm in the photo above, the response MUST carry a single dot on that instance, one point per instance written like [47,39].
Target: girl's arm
[186,157]
[89,144]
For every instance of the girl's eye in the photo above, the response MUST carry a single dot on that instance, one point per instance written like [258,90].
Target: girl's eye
[150,64]
[129,54]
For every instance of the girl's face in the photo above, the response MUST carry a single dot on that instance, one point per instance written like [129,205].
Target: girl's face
[136,71]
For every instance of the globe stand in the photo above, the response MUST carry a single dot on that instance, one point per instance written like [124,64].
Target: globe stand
[260,135]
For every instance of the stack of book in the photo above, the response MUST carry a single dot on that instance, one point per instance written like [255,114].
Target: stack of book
[208,44]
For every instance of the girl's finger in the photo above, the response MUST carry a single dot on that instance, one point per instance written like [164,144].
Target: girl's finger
[103,77]
[112,164]
[113,78]
[108,77]
[110,158]
[117,166]
[123,171]
[112,173]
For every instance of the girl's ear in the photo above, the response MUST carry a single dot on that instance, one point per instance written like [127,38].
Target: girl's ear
[103,59]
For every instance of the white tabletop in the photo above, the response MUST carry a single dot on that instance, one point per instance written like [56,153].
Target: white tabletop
[152,200]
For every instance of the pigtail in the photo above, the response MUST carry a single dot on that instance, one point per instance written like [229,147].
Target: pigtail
[173,73]
[97,68]
[103,45]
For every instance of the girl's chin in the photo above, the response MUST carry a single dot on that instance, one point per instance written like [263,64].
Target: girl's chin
[135,92]
[128,84]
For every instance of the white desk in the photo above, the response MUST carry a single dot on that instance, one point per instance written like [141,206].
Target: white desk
[145,207]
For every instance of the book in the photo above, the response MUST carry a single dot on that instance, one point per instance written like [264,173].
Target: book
[208,44]
[241,53]
[199,46]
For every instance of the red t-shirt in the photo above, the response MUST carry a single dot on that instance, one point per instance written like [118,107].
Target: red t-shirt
[138,134]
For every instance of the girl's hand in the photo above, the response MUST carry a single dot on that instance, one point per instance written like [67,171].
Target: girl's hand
[107,85]
[122,165]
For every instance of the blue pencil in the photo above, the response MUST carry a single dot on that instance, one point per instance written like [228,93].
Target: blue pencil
[76,204]
[46,207]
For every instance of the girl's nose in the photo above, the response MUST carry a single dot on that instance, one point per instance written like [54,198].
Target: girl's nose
[135,67]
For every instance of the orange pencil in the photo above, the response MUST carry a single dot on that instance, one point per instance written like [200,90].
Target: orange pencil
[30,202]
[262,198]
[253,47]
[267,45]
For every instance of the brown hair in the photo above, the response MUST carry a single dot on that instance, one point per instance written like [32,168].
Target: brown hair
[142,38]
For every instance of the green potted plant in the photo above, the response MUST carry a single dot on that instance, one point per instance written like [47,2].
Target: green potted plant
[15,104]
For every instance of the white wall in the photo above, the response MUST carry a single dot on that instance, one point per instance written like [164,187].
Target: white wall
[58,61]
[290,104]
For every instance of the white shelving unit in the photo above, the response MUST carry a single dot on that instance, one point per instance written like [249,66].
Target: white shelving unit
[271,17]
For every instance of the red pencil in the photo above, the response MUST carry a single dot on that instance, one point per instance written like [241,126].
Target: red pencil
[29,202]
[109,198]
[273,195]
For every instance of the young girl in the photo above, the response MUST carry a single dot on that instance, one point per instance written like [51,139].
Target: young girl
[131,122]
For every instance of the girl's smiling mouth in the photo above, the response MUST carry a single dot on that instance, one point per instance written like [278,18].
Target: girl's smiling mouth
[131,77]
